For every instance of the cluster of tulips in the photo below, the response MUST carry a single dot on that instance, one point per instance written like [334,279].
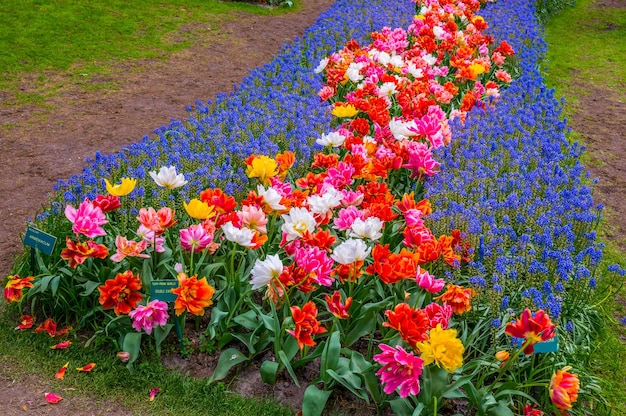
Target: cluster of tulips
[338,265]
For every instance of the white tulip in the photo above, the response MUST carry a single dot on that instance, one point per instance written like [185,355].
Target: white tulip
[168,178]
[264,271]
[368,228]
[350,251]
[241,236]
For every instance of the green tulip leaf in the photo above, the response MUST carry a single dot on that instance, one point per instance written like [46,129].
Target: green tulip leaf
[351,382]
[284,360]
[228,359]
[314,401]
[132,345]
[330,355]
[269,371]
[501,410]
[160,333]
[89,287]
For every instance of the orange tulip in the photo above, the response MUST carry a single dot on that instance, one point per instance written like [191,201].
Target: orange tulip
[222,202]
[77,253]
[533,329]
[193,295]
[14,286]
[121,293]
[285,160]
[307,324]
[564,388]
[502,355]
[412,324]
[340,310]
[458,297]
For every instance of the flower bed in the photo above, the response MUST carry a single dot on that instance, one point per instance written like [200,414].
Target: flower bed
[210,145]
[339,258]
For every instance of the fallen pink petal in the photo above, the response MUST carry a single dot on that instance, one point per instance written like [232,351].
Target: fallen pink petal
[154,392]
[61,345]
[25,322]
[53,398]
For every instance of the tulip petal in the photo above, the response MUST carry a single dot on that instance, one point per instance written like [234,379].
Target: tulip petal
[61,345]
[61,373]
[25,322]
[86,368]
[153,392]
[49,326]
[53,398]
[63,332]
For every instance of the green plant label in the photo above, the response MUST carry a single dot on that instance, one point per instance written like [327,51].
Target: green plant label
[547,346]
[43,242]
[162,290]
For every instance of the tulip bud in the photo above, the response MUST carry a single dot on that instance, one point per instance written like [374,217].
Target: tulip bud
[123,356]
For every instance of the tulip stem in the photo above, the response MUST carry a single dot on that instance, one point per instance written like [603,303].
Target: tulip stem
[193,250]
[509,362]
[236,280]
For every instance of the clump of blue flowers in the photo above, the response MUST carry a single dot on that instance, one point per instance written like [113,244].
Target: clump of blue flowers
[515,183]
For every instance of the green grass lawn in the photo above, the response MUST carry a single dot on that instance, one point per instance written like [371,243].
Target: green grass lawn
[586,51]
[586,46]
[27,354]
[84,36]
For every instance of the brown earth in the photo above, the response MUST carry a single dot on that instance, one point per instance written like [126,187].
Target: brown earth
[41,144]
[600,118]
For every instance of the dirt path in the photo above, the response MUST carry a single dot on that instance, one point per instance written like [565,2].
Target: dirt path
[39,146]
[601,120]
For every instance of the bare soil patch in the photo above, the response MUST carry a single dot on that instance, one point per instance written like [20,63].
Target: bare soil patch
[601,120]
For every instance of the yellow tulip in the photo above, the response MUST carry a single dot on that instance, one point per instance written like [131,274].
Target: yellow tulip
[262,167]
[344,110]
[479,19]
[199,210]
[121,189]
[443,348]
[476,69]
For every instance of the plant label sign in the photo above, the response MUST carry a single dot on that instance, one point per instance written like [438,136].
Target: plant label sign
[162,290]
[551,345]
[39,240]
